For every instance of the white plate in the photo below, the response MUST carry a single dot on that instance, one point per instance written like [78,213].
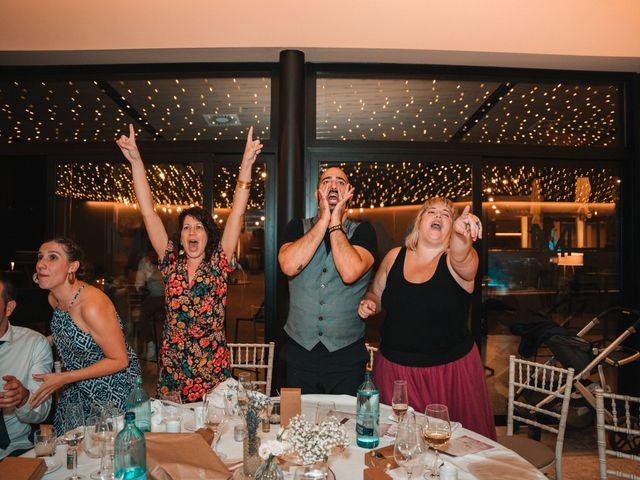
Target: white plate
[52,465]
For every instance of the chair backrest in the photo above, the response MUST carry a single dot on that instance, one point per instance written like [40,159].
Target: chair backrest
[371,350]
[256,357]
[542,381]
[622,428]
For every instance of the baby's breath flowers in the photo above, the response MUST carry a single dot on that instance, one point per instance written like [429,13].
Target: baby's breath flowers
[314,443]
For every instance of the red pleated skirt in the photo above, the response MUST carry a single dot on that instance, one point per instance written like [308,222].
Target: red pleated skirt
[459,385]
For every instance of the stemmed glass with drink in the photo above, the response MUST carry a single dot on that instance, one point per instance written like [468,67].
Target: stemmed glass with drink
[400,399]
[408,448]
[213,417]
[74,432]
[100,430]
[436,431]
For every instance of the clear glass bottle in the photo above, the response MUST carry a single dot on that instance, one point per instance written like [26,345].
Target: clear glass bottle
[368,414]
[130,452]
[138,402]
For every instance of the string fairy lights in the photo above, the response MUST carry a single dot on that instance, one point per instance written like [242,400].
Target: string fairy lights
[172,185]
[438,111]
[172,109]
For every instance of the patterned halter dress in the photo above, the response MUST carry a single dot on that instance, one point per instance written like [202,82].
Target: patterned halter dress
[78,349]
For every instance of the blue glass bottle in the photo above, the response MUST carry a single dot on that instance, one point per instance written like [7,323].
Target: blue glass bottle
[368,414]
[138,402]
[130,452]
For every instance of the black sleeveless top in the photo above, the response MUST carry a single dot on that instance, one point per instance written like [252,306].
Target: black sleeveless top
[426,323]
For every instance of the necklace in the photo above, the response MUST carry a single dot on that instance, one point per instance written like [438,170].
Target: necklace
[75,297]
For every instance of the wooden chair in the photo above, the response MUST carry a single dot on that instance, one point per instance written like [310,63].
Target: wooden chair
[255,357]
[623,431]
[535,380]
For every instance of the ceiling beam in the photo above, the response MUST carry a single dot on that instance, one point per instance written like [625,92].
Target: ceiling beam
[126,107]
[491,101]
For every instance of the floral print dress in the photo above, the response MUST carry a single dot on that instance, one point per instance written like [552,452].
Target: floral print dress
[194,356]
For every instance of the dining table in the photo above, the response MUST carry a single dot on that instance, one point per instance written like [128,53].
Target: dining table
[495,462]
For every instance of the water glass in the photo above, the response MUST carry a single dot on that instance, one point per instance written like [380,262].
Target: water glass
[44,443]
[408,448]
[324,410]
[172,411]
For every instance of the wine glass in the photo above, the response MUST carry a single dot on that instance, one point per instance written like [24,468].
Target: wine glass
[324,410]
[408,448]
[437,430]
[399,401]
[214,419]
[101,435]
[74,432]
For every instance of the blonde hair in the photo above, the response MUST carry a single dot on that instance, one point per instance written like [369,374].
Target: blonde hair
[411,242]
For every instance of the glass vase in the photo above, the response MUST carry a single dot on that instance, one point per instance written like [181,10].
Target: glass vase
[316,470]
[269,470]
[250,458]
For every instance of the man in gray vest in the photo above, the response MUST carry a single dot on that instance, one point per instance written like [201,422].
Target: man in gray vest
[328,260]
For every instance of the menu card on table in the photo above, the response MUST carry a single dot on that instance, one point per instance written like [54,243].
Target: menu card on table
[22,468]
[464,445]
[176,456]
[290,404]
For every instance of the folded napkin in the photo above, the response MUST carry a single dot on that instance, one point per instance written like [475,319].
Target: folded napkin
[176,456]
[22,468]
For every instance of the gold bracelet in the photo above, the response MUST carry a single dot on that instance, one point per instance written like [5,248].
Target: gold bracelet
[241,184]
[336,227]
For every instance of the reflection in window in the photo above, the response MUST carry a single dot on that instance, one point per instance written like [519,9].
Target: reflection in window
[553,254]
[389,195]
[245,313]
[436,110]
[95,205]
[188,109]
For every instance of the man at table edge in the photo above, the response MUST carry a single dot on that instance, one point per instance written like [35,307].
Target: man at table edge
[328,260]
[23,352]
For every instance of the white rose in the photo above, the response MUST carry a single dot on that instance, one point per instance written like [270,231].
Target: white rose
[275,447]
[264,451]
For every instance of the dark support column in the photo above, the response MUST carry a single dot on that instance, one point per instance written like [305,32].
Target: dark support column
[290,201]
[630,228]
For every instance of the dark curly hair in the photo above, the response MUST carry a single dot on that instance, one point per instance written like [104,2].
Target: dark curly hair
[203,216]
[73,252]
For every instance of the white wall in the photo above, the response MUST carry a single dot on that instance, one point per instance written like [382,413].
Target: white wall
[601,34]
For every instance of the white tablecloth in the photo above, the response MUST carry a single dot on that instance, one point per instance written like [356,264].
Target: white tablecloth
[498,463]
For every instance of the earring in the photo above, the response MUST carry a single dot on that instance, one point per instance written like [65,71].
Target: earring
[71,277]
[35,278]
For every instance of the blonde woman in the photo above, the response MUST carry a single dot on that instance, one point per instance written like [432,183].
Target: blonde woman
[425,287]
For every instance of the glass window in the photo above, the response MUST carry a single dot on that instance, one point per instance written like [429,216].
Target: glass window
[439,110]
[161,108]
[95,205]
[553,253]
[245,302]
[389,195]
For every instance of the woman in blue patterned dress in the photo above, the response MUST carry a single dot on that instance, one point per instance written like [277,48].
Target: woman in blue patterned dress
[195,267]
[98,364]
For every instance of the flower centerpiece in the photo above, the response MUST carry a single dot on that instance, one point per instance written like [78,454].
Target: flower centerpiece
[314,442]
[252,407]
[269,451]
